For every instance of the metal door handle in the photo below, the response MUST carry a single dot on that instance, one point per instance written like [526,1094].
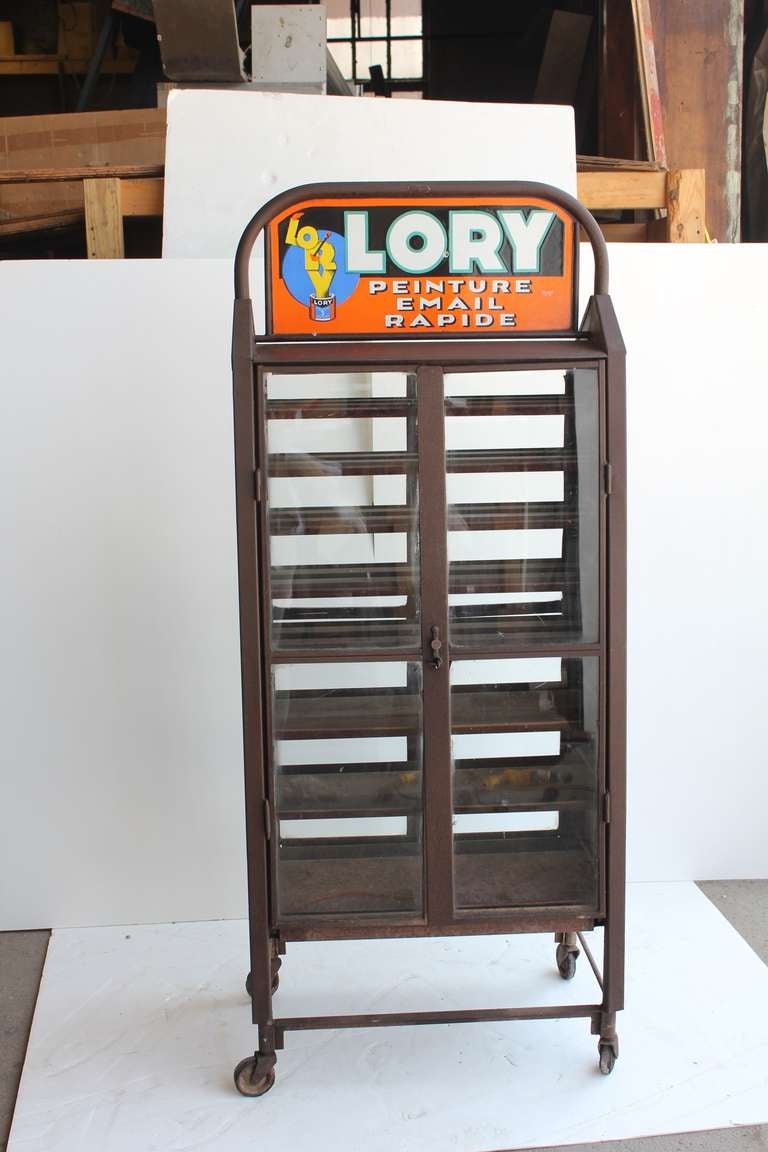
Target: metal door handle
[436,644]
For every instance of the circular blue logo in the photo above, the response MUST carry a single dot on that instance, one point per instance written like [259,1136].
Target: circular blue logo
[297,279]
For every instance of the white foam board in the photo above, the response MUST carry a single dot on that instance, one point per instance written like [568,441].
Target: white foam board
[137,1031]
[227,153]
[120,675]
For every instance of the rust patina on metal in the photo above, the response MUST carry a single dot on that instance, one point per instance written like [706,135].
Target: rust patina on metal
[316,890]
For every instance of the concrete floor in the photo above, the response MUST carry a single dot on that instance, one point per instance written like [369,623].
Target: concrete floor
[22,955]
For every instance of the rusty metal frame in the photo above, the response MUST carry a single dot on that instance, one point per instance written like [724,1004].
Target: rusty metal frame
[597,344]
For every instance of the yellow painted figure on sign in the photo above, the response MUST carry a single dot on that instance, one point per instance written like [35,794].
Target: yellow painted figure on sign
[319,254]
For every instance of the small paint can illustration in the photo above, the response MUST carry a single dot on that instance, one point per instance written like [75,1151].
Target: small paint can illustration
[322,307]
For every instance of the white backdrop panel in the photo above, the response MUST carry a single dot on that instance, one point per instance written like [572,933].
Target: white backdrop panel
[121,772]
[230,152]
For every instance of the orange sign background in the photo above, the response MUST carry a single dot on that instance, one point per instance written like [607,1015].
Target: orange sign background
[546,305]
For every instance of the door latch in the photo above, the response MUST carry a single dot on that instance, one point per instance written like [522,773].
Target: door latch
[436,644]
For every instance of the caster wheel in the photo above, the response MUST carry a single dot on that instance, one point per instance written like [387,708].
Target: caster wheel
[249,983]
[251,1079]
[566,962]
[607,1059]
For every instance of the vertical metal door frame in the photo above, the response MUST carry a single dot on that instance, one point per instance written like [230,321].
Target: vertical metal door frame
[436,726]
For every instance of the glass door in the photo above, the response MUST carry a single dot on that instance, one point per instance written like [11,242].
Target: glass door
[343,640]
[431,567]
[523,520]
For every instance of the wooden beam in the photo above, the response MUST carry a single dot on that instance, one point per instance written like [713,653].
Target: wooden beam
[686,200]
[92,172]
[652,110]
[40,222]
[622,189]
[103,219]
[699,51]
[30,64]
[142,197]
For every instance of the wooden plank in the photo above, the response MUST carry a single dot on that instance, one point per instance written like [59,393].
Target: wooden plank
[617,99]
[686,199]
[103,219]
[626,233]
[40,222]
[615,163]
[46,65]
[74,140]
[143,197]
[89,172]
[622,189]
[699,58]
[651,105]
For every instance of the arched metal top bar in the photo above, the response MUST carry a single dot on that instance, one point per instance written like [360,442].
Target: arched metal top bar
[395,189]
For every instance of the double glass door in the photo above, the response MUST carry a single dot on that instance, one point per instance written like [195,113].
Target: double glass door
[432,627]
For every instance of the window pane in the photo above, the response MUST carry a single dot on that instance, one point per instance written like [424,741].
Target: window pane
[343,511]
[342,54]
[348,782]
[523,506]
[525,774]
[406,59]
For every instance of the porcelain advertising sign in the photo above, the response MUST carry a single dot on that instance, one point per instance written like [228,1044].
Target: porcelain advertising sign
[450,266]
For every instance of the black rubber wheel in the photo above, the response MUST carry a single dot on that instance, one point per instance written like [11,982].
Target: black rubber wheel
[607,1059]
[566,962]
[249,983]
[250,1080]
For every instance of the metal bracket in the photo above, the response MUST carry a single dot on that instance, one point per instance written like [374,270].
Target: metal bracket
[607,808]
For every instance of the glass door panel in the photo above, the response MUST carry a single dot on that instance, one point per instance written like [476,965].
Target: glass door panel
[343,511]
[525,772]
[523,491]
[347,750]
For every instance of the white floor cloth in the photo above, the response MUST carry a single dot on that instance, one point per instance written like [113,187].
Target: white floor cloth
[137,1030]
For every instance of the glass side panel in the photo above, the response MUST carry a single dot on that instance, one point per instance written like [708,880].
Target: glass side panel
[523,492]
[525,774]
[343,511]
[348,787]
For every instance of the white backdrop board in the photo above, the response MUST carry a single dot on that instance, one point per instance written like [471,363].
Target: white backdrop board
[121,769]
[228,153]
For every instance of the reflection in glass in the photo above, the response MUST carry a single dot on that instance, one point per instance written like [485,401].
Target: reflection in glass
[348,784]
[343,510]
[524,747]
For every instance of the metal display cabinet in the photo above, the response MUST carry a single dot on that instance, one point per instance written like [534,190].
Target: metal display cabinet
[431,543]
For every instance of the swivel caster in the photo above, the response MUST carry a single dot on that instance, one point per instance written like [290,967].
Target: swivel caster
[608,1056]
[255,1075]
[275,978]
[566,957]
